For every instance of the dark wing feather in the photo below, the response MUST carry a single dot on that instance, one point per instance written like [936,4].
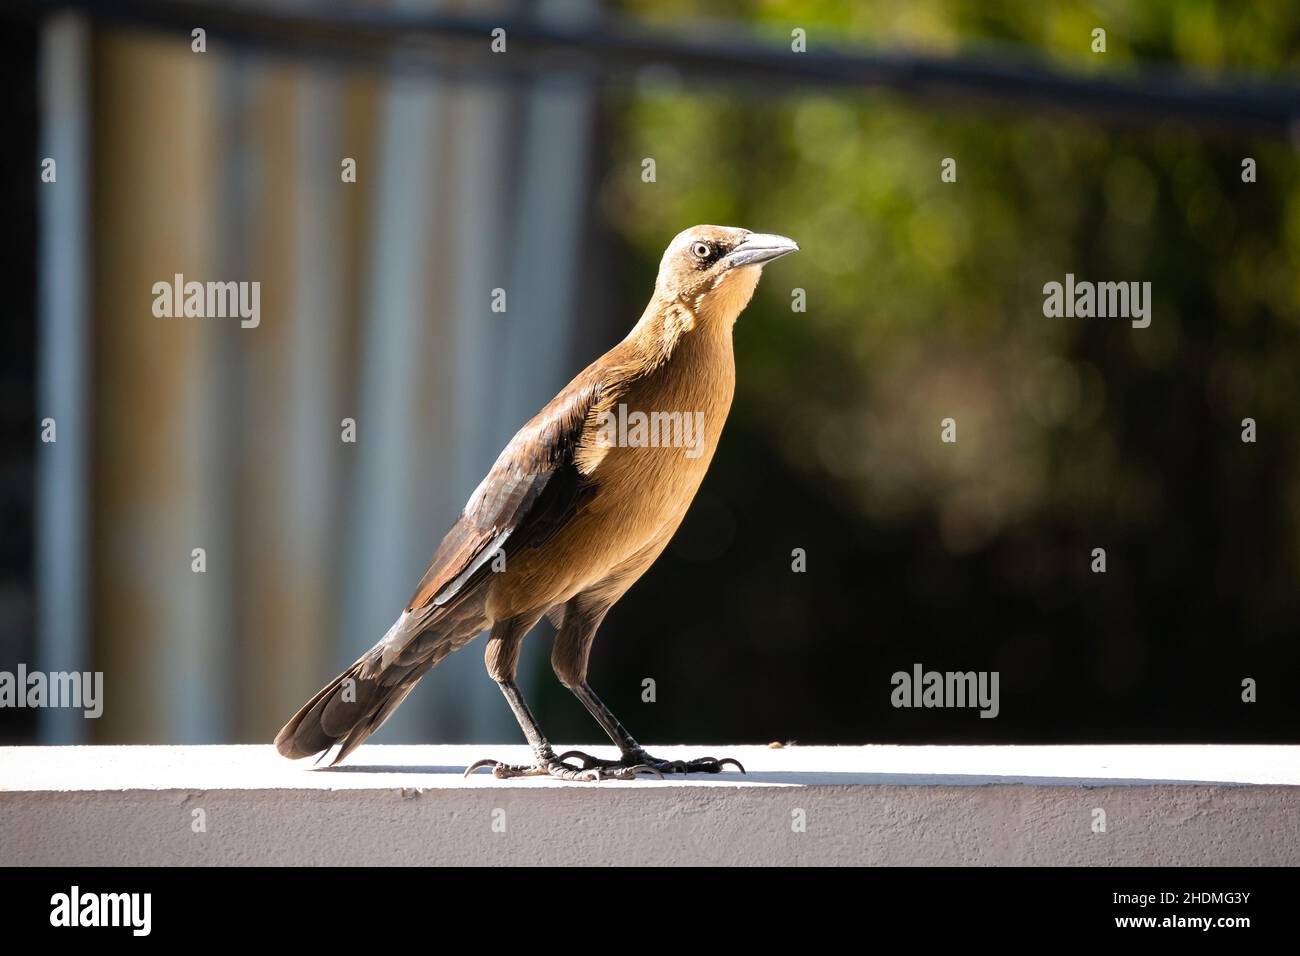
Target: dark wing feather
[532,490]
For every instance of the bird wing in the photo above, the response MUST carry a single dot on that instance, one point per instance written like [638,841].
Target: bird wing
[533,489]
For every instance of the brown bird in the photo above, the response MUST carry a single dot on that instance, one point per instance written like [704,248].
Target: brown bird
[579,504]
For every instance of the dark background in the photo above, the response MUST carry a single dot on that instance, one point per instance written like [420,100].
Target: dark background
[18,362]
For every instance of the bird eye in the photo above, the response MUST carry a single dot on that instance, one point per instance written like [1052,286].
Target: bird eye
[701,250]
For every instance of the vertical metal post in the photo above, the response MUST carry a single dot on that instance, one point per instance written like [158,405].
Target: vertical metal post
[63,370]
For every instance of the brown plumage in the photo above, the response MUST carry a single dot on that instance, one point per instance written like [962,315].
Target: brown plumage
[570,516]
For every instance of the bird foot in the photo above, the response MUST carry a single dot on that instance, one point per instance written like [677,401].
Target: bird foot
[641,759]
[549,765]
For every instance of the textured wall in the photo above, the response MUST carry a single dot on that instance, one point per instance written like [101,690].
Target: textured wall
[861,805]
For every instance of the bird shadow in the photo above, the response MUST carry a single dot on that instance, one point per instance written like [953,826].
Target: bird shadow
[364,768]
[847,778]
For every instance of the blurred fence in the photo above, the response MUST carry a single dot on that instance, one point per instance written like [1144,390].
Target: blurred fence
[177,434]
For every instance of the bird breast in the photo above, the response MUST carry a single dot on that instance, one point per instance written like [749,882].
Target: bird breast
[656,442]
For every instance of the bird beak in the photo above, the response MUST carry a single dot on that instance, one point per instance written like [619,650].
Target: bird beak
[760,247]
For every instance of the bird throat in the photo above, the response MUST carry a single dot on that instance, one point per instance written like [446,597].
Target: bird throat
[710,314]
[722,303]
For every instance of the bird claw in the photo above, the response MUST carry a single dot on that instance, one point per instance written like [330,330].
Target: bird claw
[552,766]
[489,762]
[642,761]
[588,761]
[726,760]
[595,763]
[627,767]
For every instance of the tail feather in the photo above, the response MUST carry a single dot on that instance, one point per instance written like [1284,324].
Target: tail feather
[356,703]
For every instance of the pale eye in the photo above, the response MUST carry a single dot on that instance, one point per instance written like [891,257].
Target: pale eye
[701,250]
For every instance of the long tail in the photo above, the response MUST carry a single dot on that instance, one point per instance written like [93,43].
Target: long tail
[355,704]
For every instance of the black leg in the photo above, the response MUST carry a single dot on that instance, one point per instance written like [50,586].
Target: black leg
[625,742]
[502,659]
[633,754]
[577,629]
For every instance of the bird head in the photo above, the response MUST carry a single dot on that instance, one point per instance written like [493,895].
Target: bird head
[712,270]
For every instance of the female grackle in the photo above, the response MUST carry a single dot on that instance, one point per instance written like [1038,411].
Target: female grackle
[570,516]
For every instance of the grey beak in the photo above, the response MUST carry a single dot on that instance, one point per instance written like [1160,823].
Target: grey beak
[760,247]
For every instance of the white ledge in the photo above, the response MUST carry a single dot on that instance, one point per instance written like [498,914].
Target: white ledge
[1163,805]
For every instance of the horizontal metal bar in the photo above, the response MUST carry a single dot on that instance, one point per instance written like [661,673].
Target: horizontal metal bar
[460,45]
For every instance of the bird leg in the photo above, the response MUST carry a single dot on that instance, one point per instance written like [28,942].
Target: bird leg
[633,754]
[546,763]
[502,660]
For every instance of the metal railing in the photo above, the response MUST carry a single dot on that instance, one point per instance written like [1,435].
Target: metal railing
[460,45]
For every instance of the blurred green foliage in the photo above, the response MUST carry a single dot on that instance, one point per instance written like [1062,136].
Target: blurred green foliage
[926,296]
